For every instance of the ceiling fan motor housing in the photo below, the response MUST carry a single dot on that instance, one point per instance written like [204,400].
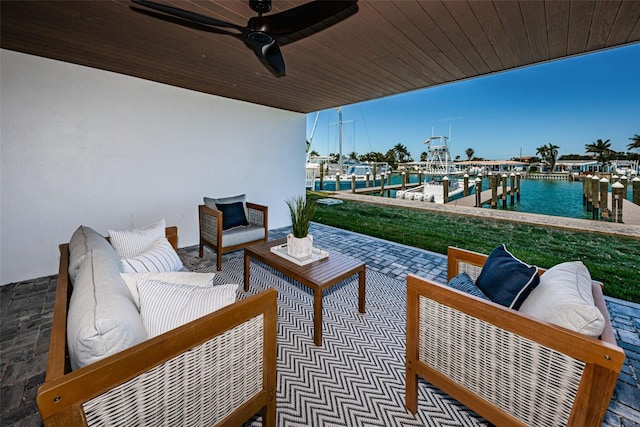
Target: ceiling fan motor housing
[260,6]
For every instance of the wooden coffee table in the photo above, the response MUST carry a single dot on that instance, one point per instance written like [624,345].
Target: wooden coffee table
[317,276]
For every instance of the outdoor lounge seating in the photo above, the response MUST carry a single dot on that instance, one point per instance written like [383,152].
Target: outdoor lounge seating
[507,366]
[230,223]
[219,369]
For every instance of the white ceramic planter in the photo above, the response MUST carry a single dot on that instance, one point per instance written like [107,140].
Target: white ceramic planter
[300,248]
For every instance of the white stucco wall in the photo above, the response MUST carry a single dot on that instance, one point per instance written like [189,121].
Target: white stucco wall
[84,146]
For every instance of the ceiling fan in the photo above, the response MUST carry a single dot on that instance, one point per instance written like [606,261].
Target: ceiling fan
[264,34]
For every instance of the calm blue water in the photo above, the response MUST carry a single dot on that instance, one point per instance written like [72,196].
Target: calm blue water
[548,197]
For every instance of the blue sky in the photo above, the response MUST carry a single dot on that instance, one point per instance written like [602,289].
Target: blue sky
[569,103]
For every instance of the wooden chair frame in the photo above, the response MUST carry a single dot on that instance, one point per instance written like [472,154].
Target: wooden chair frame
[602,358]
[257,215]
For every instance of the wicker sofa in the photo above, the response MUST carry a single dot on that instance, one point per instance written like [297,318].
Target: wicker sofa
[218,370]
[508,367]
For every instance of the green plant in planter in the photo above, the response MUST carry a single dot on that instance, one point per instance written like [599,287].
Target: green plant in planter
[302,211]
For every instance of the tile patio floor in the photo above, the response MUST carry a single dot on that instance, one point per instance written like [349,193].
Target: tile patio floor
[26,311]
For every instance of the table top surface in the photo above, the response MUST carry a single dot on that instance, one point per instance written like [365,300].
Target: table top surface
[336,267]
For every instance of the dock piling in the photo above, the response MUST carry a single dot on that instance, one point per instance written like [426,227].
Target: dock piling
[493,184]
[618,197]
[478,181]
[587,193]
[353,183]
[595,183]
[466,185]
[504,191]
[445,188]
[604,198]
[635,188]
[512,191]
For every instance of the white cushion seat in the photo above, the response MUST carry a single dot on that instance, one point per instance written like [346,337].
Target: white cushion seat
[239,235]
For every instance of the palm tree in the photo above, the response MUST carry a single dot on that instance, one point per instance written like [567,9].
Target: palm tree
[542,150]
[602,149]
[549,154]
[552,155]
[353,155]
[469,152]
[635,144]
[401,153]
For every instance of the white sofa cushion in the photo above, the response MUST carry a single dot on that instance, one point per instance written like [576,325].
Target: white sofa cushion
[103,319]
[179,277]
[564,298]
[81,241]
[130,243]
[159,257]
[165,306]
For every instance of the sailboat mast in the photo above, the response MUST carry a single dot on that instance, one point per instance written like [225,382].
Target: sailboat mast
[340,137]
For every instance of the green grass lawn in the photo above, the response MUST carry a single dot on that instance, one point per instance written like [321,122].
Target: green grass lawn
[613,260]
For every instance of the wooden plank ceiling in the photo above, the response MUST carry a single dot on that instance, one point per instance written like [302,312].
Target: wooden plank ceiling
[386,48]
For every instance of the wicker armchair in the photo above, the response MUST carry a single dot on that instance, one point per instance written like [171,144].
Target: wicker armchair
[214,236]
[508,367]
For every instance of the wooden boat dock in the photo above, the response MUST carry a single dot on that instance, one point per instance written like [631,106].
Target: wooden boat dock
[588,225]
[378,189]
[630,211]
[485,197]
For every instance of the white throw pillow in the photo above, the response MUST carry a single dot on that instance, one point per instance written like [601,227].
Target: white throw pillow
[179,277]
[165,306]
[160,257]
[564,297]
[131,243]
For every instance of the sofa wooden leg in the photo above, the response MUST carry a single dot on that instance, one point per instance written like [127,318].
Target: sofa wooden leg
[219,258]
[269,414]
[411,391]
[201,253]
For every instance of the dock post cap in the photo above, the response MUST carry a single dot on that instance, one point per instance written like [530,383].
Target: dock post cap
[617,185]
[604,180]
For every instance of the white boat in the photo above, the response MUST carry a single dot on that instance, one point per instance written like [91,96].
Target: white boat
[346,169]
[439,171]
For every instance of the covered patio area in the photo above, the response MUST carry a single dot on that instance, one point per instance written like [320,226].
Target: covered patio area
[27,310]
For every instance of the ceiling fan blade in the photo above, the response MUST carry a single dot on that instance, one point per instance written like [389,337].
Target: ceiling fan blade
[300,17]
[185,14]
[268,51]
[185,22]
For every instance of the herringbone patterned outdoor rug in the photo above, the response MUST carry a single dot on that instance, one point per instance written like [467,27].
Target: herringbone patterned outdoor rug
[356,378]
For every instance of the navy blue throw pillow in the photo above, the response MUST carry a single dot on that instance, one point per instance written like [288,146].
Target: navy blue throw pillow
[464,283]
[506,280]
[232,215]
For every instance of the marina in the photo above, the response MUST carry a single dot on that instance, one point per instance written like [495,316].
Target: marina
[558,198]
[544,220]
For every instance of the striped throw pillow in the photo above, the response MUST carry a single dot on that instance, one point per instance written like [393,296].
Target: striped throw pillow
[161,257]
[131,243]
[179,277]
[165,306]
